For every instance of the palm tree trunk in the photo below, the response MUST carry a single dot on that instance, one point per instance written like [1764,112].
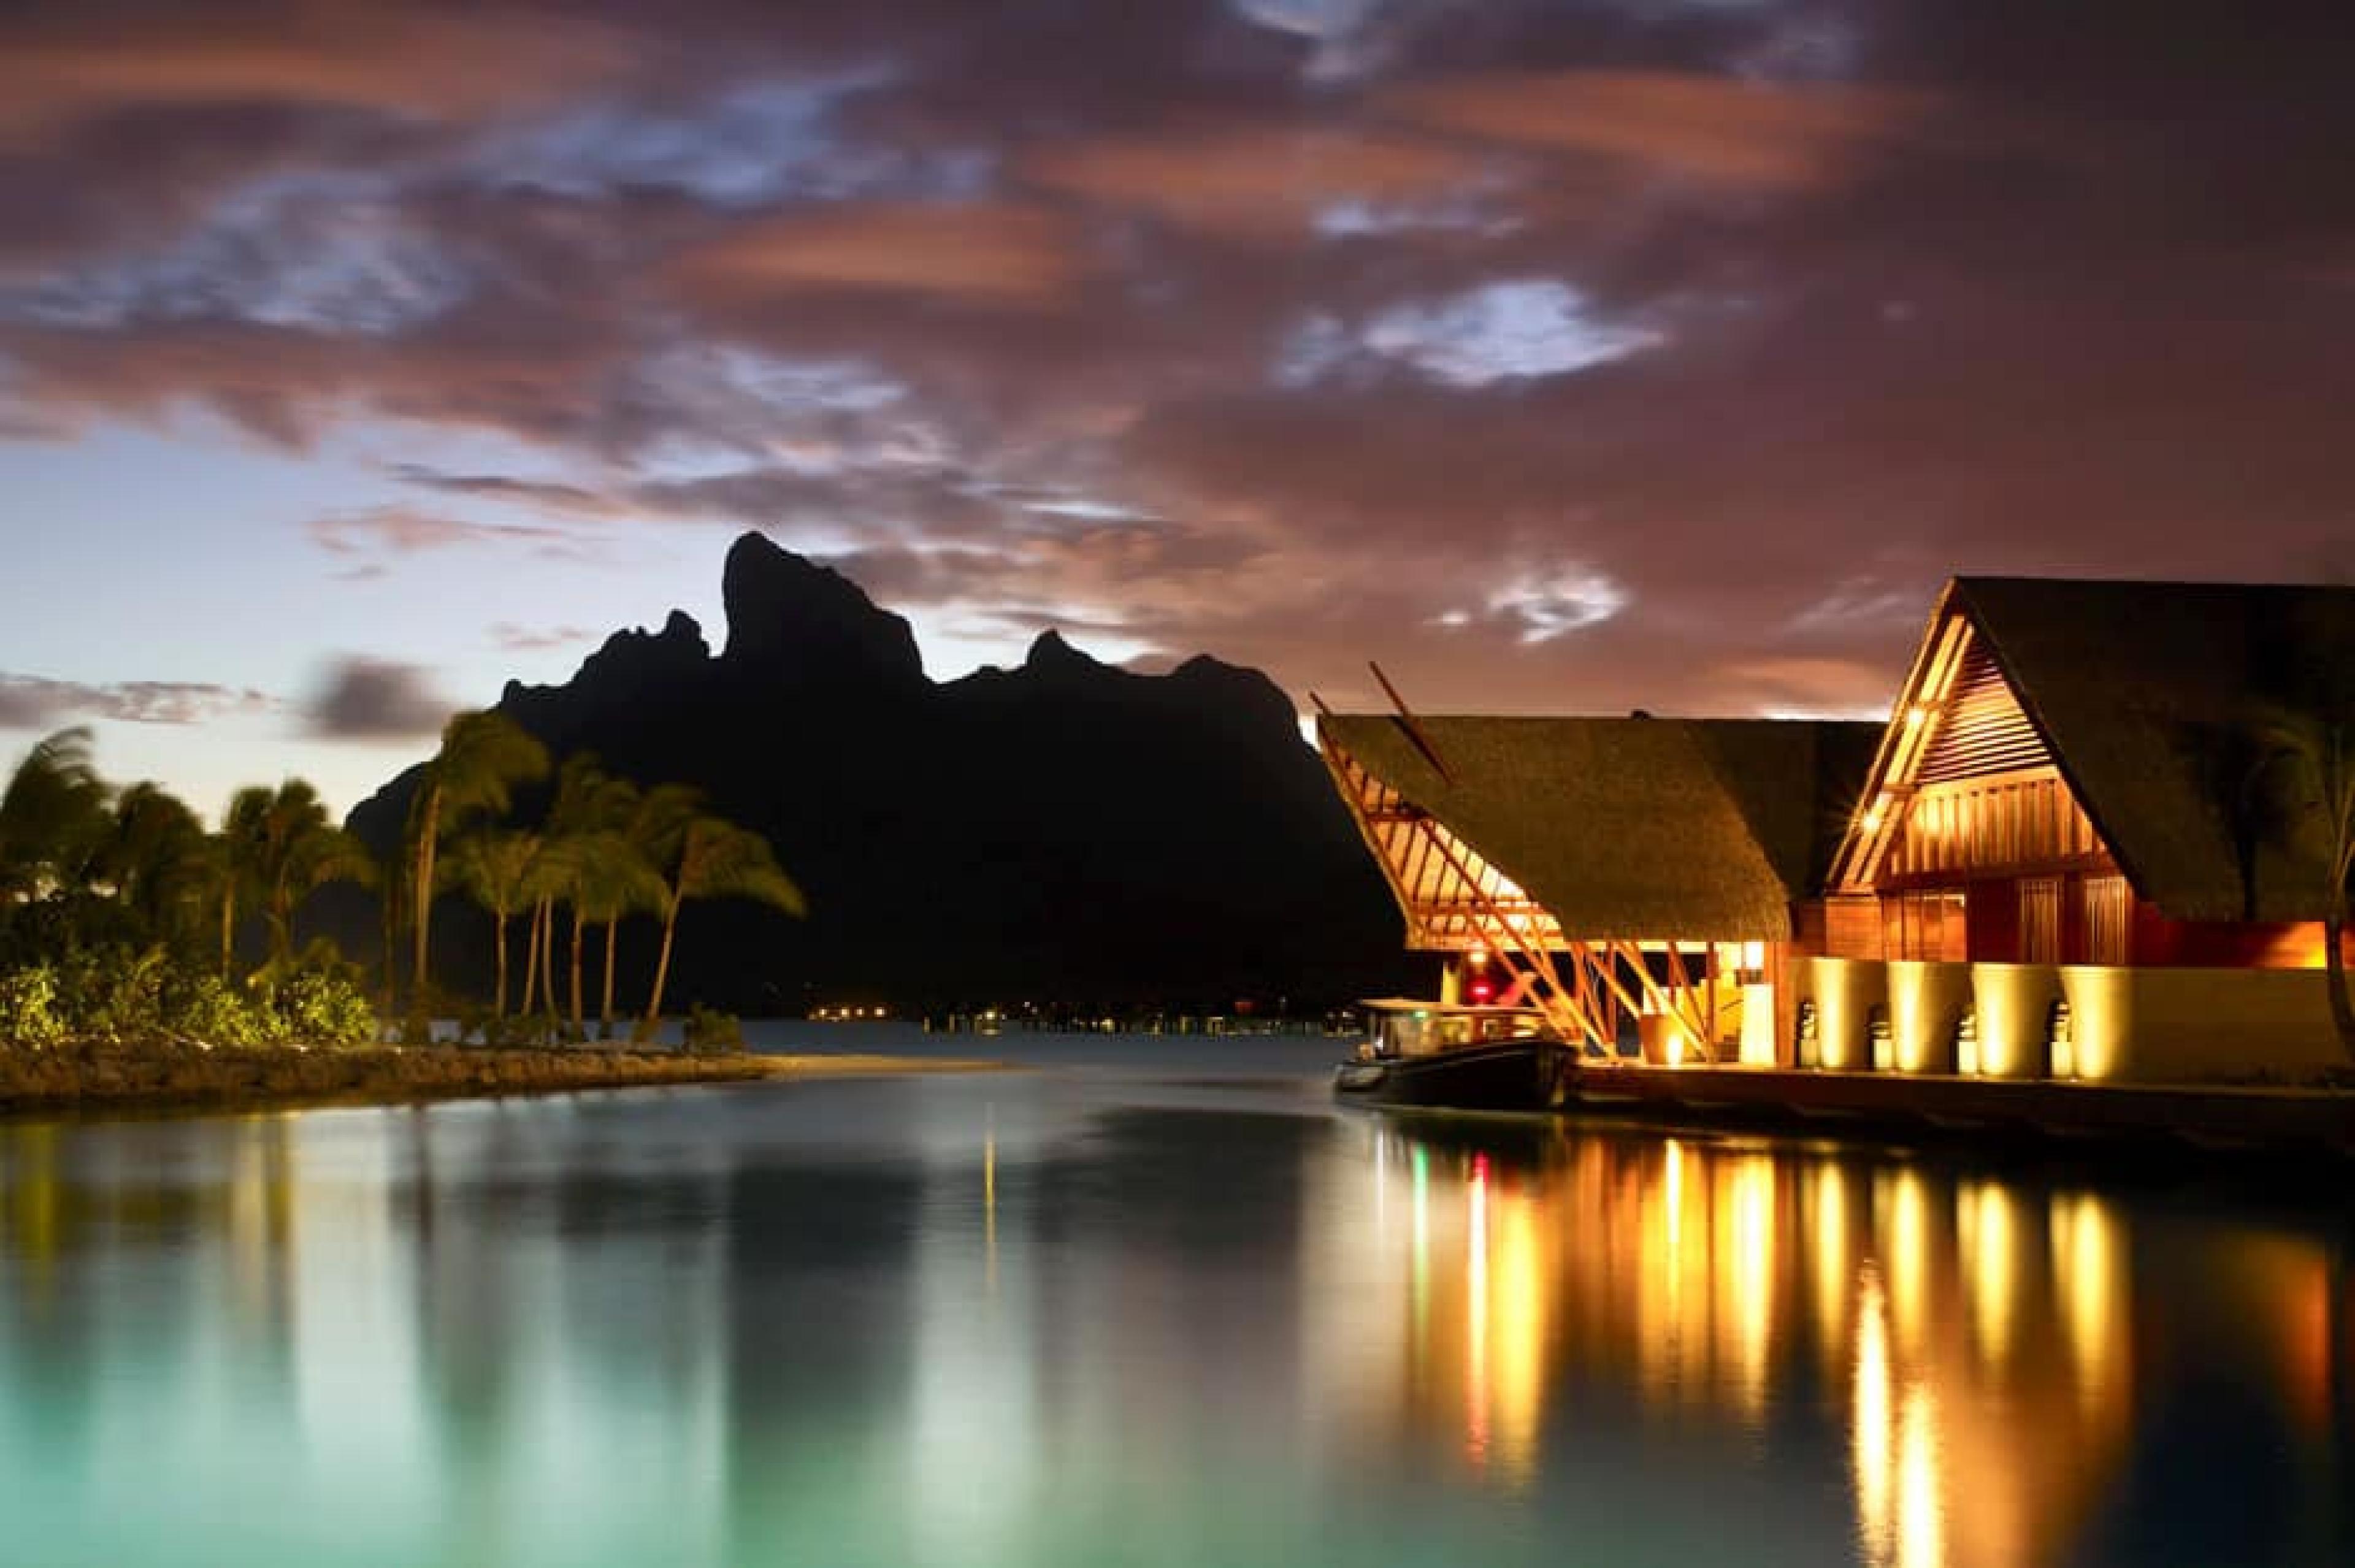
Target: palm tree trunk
[281,926]
[547,958]
[2334,970]
[499,945]
[580,929]
[391,939]
[228,929]
[428,831]
[530,962]
[662,964]
[605,1010]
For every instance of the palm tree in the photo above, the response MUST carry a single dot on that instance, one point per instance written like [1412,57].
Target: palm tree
[156,858]
[716,859]
[591,809]
[2308,756]
[656,826]
[483,756]
[613,877]
[233,863]
[494,868]
[53,817]
[544,885]
[297,851]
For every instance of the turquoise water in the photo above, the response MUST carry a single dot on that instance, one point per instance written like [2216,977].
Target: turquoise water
[1154,1302]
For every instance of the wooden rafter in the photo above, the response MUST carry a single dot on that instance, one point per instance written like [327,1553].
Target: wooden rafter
[1454,899]
[1412,726]
[1913,730]
[1561,1004]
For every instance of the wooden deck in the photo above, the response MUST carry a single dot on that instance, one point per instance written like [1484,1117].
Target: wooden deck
[2295,1122]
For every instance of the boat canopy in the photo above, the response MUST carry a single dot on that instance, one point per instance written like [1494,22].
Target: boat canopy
[1404,1027]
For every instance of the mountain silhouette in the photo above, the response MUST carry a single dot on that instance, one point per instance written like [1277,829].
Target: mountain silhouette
[1065,833]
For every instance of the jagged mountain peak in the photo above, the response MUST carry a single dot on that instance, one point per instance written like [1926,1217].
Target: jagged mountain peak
[964,841]
[1050,652]
[790,614]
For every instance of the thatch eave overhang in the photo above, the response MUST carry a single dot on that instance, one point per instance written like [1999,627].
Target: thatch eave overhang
[2147,698]
[1624,829]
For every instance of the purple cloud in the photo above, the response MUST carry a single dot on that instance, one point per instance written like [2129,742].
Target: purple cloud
[36,702]
[376,699]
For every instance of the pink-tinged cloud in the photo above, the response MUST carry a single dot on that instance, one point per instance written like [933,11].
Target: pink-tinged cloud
[1723,129]
[410,61]
[397,530]
[548,377]
[994,253]
[1659,353]
[540,495]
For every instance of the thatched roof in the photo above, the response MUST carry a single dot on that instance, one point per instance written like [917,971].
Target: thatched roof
[2155,698]
[1701,829]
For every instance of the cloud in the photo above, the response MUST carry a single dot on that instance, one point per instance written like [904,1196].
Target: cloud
[398,60]
[36,702]
[376,699]
[1276,182]
[1296,331]
[1723,129]
[752,145]
[544,494]
[1510,330]
[1812,686]
[400,531]
[533,639]
[867,497]
[549,378]
[1555,602]
[993,252]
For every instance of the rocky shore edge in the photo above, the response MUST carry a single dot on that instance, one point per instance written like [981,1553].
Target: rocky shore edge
[107,1080]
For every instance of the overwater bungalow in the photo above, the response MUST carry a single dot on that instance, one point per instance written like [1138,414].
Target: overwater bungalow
[1636,878]
[2089,845]
[2088,848]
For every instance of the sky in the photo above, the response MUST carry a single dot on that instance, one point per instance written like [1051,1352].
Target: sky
[1564,356]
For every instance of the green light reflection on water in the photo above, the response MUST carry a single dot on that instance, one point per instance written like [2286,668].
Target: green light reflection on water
[1065,1321]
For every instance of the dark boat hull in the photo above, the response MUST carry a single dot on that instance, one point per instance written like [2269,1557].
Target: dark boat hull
[1503,1076]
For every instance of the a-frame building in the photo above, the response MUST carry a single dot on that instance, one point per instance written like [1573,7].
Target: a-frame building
[2088,846]
[1634,877]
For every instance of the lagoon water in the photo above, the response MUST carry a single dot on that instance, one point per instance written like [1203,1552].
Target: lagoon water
[1150,1302]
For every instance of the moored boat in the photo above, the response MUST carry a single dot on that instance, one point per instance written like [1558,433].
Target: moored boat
[1466,1058]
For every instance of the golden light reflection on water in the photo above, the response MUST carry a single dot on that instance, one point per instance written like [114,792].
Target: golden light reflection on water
[1476,1390]
[1976,1341]
[1936,1366]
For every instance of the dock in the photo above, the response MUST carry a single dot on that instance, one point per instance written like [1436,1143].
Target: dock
[2295,1122]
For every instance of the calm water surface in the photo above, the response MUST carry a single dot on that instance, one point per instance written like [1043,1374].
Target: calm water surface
[1152,1302]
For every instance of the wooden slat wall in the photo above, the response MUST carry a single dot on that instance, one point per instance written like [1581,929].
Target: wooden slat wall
[1852,927]
[1984,825]
[1982,729]
[2109,919]
[2039,920]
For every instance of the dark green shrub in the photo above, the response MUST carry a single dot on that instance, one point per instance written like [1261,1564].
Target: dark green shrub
[710,1033]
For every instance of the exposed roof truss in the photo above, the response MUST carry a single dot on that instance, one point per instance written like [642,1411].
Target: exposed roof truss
[1456,901]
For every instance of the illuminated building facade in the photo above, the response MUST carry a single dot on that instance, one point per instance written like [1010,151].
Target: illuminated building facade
[2093,842]
[2090,845]
[1634,877]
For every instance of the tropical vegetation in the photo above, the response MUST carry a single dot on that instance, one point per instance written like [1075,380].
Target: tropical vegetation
[2303,776]
[604,848]
[118,912]
[125,919]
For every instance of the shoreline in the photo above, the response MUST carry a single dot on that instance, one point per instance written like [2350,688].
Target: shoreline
[112,1081]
